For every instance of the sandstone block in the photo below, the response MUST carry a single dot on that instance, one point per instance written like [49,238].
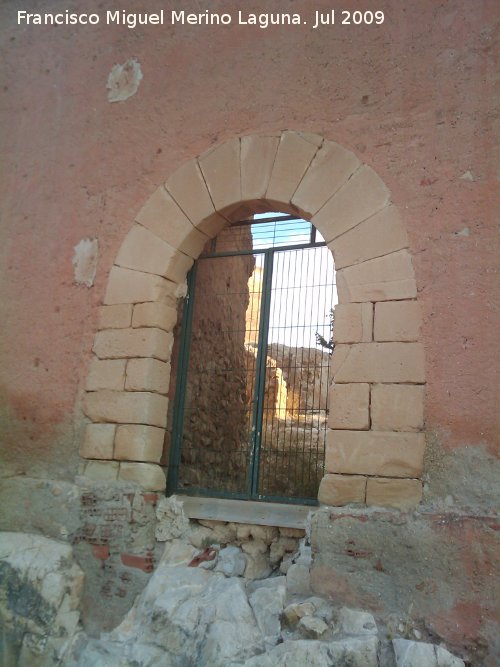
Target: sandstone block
[353,323]
[102,471]
[381,279]
[329,170]
[98,441]
[118,316]
[129,343]
[397,320]
[187,187]
[257,159]
[126,407]
[147,375]
[106,374]
[385,454]
[397,407]
[126,286]
[158,315]
[381,234]
[378,362]
[400,493]
[221,169]
[349,406]
[151,477]
[137,442]
[342,489]
[144,251]
[163,217]
[313,138]
[292,159]
[363,195]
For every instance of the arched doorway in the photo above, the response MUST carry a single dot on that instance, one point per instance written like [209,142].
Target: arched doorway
[375,443]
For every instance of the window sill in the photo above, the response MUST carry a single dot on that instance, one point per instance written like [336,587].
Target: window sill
[246,511]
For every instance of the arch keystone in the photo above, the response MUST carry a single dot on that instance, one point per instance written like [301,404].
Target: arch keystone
[292,160]
[257,160]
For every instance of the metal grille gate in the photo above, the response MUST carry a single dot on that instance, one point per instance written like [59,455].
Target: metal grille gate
[252,390]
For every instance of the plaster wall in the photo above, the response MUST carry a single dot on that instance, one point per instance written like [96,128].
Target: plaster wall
[413,99]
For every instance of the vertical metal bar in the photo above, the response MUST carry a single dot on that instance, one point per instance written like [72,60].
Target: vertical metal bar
[180,393]
[313,234]
[260,380]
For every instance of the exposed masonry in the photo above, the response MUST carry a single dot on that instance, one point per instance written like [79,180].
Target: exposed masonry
[375,444]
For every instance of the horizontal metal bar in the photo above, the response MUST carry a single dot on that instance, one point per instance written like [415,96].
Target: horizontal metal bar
[261,251]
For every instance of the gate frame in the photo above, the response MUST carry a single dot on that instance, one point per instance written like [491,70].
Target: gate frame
[257,414]
[375,443]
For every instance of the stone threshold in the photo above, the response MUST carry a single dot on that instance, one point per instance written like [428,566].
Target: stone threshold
[246,511]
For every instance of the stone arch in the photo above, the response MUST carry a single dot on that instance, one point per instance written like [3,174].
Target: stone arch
[375,444]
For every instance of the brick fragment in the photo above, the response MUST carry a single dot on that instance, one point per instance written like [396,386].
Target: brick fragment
[100,551]
[145,563]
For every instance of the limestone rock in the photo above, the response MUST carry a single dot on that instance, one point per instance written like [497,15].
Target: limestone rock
[258,566]
[298,580]
[312,627]
[354,622]
[172,522]
[345,653]
[419,654]
[232,562]
[199,616]
[297,610]
[39,597]
[267,604]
